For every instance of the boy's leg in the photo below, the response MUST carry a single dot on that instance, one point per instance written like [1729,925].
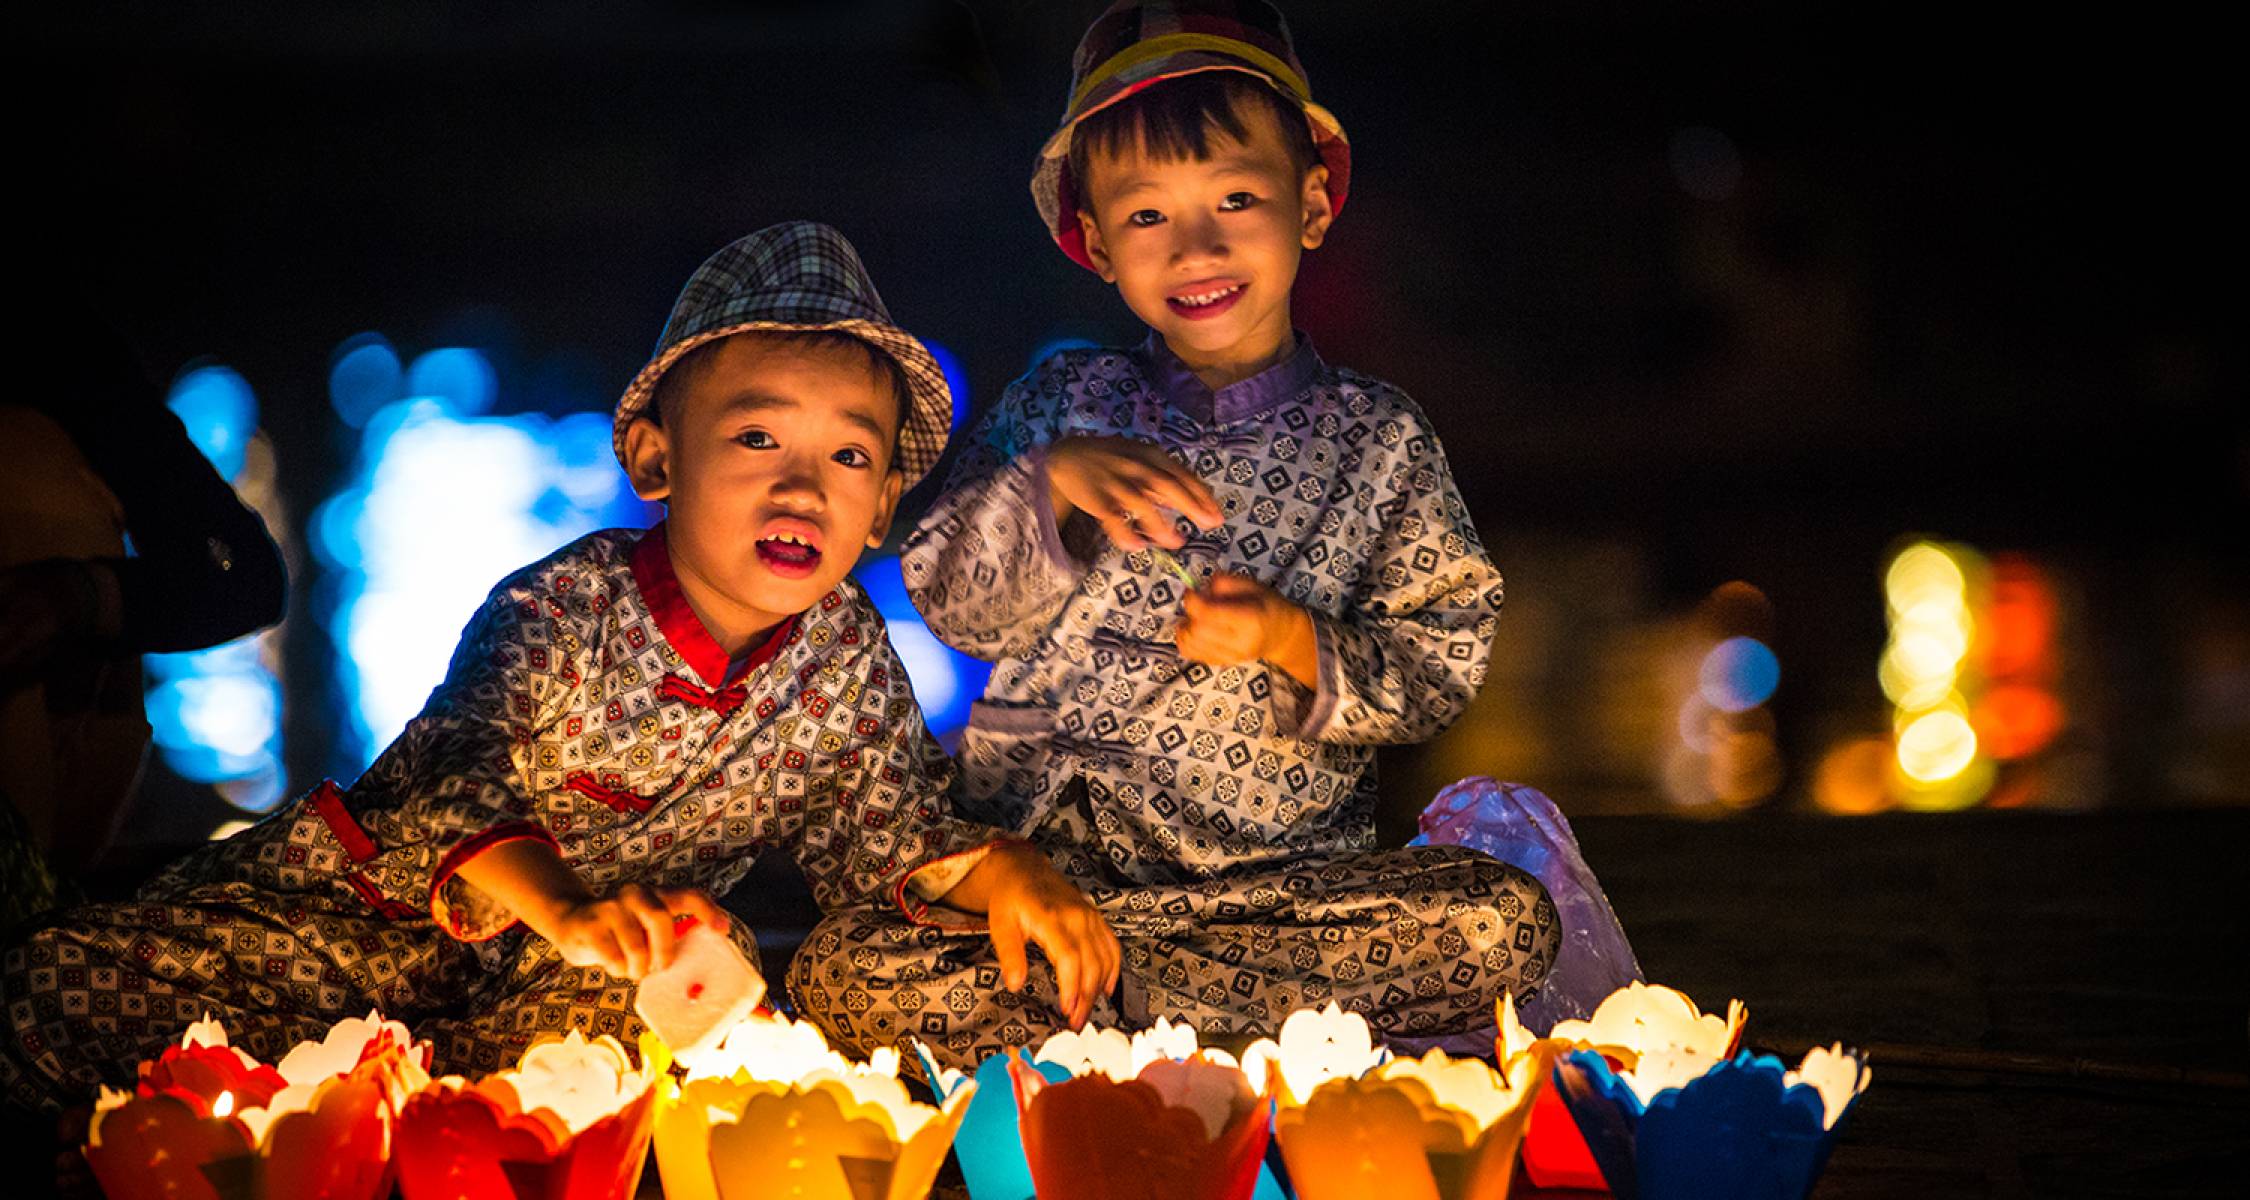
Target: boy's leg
[89,996]
[1421,941]
[869,978]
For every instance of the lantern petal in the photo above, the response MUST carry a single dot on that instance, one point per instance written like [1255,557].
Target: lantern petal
[155,1148]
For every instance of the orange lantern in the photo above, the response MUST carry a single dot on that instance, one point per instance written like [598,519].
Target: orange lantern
[571,1122]
[210,1121]
[1179,1130]
[1432,1128]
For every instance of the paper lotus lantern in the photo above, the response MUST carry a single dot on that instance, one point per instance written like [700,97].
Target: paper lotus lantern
[828,1134]
[1432,1128]
[1634,1022]
[1746,1129]
[1316,1045]
[571,1122]
[1178,1130]
[989,1144]
[207,1120]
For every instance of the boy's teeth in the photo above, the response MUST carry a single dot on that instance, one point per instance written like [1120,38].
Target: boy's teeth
[1200,299]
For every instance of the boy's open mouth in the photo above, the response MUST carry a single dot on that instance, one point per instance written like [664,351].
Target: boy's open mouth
[789,556]
[1206,302]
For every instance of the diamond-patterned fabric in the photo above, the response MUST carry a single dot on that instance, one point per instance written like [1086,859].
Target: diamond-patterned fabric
[1421,941]
[585,706]
[1336,494]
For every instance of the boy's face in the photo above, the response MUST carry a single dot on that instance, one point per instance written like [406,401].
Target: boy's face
[1205,251]
[774,459]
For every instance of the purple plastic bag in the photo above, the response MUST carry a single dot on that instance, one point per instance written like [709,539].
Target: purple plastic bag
[1520,826]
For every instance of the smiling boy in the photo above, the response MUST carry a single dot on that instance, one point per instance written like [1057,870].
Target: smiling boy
[1214,572]
[626,724]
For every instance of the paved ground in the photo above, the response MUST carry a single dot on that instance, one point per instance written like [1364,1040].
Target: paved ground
[2118,938]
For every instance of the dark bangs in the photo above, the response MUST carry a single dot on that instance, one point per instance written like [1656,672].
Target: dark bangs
[1174,119]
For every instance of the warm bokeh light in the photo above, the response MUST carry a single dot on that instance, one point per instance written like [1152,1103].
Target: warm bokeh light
[1854,778]
[1936,746]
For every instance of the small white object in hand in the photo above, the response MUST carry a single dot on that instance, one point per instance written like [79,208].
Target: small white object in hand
[708,989]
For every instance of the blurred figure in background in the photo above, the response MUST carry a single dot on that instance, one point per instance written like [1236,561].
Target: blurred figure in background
[88,466]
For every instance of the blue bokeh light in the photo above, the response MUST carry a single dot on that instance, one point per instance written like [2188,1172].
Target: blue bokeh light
[945,680]
[457,377]
[956,379]
[1739,674]
[363,376]
[220,412]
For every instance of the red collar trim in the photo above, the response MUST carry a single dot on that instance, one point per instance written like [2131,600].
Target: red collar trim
[667,605]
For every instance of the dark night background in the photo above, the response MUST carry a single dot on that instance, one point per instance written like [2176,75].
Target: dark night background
[1739,290]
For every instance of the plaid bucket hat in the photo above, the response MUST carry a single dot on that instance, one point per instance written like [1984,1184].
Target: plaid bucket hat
[797,276]
[1139,43]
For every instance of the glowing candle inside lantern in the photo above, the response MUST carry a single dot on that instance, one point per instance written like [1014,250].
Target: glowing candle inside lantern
[224,1105]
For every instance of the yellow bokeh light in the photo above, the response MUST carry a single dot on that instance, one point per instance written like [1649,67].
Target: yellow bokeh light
[1922,573]
[1936,746]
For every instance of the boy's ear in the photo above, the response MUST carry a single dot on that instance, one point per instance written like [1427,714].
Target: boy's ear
[894,484]
[1095,250]
[648,459]
[1320,212]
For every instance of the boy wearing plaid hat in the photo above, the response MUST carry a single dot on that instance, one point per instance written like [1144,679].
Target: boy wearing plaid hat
[625,726]
[1215,572]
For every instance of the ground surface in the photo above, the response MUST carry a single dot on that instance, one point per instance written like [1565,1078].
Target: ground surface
[2114,938]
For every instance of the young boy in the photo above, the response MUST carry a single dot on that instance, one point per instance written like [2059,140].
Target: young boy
[625,726]
[1201,761]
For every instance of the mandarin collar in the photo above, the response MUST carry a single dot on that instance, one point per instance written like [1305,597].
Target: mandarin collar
[1180,388]
[660,591]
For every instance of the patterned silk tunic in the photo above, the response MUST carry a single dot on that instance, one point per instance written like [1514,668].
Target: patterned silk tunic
[586,707]
[1335,494]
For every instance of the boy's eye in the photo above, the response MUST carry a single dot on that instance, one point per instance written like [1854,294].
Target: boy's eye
[1145,217]
[853,456]
[1237,201]
[755,439]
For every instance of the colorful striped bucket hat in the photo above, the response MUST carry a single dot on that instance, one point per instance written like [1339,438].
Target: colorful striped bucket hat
[798,276]
[1138,43]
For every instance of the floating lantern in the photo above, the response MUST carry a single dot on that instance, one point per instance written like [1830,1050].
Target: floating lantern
[571,1122]
[1432,1128]
[1746,1129]
[207,1120]
[989,1145]
[1316,1045]
[776,1112]
[1178,1130]
[1635,1021]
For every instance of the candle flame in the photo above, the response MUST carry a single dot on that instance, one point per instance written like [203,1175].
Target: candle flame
[223,1105]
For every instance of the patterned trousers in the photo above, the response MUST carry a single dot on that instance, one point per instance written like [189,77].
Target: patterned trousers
[1422,941]
[107,985]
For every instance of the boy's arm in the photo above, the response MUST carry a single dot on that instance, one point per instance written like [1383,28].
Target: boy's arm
[986,566]
[448,789]
[879,825]
[1409,652]
[627,933]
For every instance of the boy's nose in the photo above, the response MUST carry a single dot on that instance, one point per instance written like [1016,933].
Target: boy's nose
[798,490]
[1198,238]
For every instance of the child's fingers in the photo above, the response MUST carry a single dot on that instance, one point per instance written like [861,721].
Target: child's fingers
[697,903]
[632,940]
[1007,946]
[655,921]
[1189,498]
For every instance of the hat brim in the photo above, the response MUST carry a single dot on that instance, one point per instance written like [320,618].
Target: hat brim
[1059,197]
[922,429]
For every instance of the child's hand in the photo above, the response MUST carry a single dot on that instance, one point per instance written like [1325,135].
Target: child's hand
[628,933]
[1127,486]
[1235,619]
[1027,900]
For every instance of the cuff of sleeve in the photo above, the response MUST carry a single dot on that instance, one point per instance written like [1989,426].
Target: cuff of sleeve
[1042,503]
[932,880]
[461,910]
[1321,708]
